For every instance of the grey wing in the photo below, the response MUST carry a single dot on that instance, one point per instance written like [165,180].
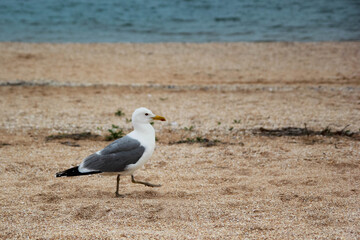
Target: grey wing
[116,156]
[122,144]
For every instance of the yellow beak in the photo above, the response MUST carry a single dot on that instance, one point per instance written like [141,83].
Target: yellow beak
[157,117]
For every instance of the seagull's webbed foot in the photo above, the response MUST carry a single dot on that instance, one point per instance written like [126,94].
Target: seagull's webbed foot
[117,187]
[144,183]
[119,195]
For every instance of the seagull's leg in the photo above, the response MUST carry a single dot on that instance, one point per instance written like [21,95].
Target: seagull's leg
[117,187]
[144,183]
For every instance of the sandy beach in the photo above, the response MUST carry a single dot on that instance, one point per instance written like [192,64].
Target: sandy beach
[261,141]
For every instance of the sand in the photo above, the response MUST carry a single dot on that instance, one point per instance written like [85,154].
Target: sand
[262,140]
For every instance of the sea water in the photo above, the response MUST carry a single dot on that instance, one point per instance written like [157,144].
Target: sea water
[179,20]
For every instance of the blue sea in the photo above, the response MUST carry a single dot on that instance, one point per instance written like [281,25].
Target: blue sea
[179,20]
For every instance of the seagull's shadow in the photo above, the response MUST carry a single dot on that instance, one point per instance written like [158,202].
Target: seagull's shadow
[153,194]
[148,194]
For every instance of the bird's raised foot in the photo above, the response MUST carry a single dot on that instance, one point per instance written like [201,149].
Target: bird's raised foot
[150,184]
[144,183]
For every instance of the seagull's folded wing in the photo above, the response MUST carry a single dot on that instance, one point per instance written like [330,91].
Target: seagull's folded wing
[115,157]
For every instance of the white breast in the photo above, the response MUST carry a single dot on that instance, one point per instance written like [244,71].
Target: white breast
[146,137]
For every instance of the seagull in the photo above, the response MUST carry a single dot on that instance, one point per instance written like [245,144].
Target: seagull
[125,155]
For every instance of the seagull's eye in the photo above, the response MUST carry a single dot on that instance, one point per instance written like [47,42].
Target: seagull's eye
[146,114]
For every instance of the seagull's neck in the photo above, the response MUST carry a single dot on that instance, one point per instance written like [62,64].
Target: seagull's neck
[144,133]
[144,129]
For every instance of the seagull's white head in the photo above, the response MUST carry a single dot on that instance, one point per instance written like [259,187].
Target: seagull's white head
[144,115]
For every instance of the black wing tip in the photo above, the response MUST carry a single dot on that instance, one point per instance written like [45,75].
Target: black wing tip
[71,172]
[61,174]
